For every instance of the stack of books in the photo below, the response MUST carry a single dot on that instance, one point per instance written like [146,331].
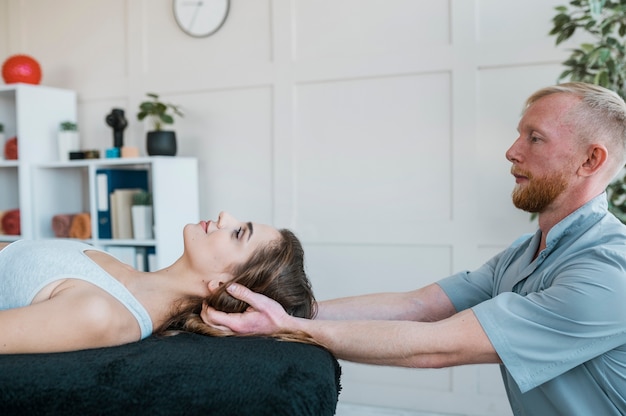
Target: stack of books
[114,197]
[115,190]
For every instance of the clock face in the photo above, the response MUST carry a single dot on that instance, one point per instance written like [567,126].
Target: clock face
[200,18]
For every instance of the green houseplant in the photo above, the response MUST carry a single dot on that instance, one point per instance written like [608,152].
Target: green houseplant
[142,198]
[159,141]
[68,126]
[600,59]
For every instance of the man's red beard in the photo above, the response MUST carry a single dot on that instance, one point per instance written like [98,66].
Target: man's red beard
[538,193]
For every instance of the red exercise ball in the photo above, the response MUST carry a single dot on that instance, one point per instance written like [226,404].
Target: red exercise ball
[21,68]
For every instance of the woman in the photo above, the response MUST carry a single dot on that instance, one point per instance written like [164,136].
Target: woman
[64,295]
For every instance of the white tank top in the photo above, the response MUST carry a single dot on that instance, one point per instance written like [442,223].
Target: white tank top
[27,266]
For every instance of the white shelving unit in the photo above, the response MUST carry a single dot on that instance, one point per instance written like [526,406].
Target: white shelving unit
[32,113]
[70,187]
[41,186]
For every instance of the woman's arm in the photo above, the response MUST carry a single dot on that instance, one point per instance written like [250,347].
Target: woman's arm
[69,321]
[456,340]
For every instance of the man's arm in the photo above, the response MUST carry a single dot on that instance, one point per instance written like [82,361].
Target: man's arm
[456,340]
[427,304]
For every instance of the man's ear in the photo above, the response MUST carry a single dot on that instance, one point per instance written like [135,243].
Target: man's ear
[596,158]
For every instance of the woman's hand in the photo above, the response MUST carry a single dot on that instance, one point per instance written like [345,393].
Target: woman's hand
[264,316]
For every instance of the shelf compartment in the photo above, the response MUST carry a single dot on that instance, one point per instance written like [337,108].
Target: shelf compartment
[62,190]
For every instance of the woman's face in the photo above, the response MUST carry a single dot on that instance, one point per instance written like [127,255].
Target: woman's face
[213,247]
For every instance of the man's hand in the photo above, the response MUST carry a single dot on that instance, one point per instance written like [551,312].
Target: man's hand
[264,316]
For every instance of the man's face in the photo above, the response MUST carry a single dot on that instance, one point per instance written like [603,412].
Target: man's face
[545,155]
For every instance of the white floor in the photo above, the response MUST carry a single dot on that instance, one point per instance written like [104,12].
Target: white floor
[348,409]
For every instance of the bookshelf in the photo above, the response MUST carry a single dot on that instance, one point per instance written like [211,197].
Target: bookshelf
[32,113]
[41,186]
[71,187]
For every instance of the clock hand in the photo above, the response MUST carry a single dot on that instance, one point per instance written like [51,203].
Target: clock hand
[195,14]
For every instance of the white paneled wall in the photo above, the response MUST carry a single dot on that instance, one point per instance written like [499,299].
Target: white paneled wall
[356,146]
[375,129]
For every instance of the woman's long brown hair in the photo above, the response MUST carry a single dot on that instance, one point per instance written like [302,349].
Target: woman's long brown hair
[275,270]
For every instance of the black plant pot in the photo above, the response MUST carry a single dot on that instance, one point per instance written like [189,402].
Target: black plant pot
[161,143]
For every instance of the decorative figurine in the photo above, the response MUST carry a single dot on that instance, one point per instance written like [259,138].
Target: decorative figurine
[118,122]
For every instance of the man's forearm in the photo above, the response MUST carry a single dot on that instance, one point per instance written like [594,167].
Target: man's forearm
[454,341]
[427,304]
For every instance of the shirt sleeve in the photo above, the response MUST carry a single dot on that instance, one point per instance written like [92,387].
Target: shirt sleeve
[467,289]
[579,316]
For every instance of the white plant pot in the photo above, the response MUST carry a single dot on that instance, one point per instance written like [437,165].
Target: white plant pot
[1,146]
[67,142]
[142,222]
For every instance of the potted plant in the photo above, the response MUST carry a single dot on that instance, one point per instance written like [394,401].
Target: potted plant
[141,215]
[159,141]
[67,140]
[601,60]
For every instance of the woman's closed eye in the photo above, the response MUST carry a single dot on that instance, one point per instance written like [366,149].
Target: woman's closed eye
[238,232]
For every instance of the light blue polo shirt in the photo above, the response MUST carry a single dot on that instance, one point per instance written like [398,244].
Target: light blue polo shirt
[558,322]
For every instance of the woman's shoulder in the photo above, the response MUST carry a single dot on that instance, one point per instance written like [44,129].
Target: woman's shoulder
[100,313]
[77,316]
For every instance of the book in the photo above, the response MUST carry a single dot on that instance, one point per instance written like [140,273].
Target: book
[109,179]
[121,217]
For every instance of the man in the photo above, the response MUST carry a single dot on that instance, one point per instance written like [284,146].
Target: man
[549,308]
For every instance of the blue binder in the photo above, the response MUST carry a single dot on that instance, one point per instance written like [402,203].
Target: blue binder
[107,180]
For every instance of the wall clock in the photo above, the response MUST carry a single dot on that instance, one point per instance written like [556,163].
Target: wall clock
[200,18]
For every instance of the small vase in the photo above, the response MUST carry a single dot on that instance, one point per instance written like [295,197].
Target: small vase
[161,143]
[67,142]
[141,216]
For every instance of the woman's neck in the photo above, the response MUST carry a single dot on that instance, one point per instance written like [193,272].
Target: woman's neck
[160,292]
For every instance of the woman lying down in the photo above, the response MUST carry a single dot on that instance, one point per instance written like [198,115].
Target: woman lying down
[66,295]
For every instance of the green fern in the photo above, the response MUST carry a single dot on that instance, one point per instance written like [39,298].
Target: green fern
[602,62]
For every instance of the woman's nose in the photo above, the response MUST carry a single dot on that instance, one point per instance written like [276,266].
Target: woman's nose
[224,219]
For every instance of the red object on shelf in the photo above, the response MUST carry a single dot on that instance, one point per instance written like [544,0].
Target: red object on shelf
[10,149]
[10,222]
[21,68]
